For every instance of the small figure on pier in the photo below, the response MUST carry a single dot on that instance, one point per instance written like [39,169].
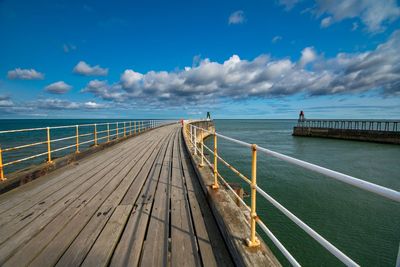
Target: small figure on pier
[301,117]
[208,115]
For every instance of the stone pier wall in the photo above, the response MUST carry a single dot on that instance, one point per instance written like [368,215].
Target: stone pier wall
[349,134]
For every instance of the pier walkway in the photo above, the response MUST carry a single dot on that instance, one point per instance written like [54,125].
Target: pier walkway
[138,202]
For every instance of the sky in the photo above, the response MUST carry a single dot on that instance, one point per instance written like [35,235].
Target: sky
[180,59]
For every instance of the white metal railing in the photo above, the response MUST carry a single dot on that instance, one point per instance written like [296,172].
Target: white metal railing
[191,132]
[118,130]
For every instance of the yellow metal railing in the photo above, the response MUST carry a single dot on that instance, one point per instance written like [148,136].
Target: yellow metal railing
[129,128]
[190,131]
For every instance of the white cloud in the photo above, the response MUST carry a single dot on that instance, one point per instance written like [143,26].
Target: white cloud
[374,14]
[326,22]
[276,39]
[104,90]
[59,87]
[236,17]
[93,105]
[51,103]
[131,79]
[24,74]
[85,69]
[261,77]
[307,55]
[5,101]
[289,4]
[58,104]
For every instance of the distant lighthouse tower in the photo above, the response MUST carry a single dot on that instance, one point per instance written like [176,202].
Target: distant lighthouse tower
[301,117]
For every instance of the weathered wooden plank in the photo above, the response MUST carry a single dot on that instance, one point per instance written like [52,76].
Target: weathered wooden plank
[56,202]
[87,224]
[76,252]
[64,180]
[102,250]
[183,241]
[128,250]
[144,208]
[49,231]
[212,248]
[24,192]
[155,247]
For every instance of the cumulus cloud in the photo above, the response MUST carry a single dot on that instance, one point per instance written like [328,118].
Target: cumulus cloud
[59,87]
[85,69]
[262,77]
[5,101]
[307,55]
[375,15]
[93,105]
[236,17]
[104,90]
[59,104]
[24,74]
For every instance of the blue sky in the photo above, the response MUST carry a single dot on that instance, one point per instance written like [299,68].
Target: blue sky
[179,59]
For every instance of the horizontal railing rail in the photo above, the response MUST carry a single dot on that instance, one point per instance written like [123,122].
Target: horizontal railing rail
[362,125]
[197,142]
[109,131]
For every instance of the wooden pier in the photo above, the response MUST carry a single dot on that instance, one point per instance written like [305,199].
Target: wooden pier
[137,203]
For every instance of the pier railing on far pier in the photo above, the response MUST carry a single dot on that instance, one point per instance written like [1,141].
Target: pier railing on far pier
[361,125]
[195,136]
[73,137]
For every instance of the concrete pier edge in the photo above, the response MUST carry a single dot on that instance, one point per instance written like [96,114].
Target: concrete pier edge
[231,219]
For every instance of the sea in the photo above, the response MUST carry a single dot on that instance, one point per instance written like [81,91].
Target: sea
[364,226]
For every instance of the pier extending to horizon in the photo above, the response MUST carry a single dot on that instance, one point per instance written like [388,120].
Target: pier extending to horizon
[381,131]
[149,197]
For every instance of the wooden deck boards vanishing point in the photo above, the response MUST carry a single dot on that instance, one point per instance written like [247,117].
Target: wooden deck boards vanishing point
[138,203]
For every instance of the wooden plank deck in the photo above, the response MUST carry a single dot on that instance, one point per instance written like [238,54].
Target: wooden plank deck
[136,203]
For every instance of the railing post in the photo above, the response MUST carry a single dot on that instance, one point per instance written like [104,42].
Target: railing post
[2,178]
[253,241]
[201,148]
[130,128]
[95,134]
[116,137]
[191,135]
[195,141]
[108,132]
[134,127]
[124,129]
[48,145]
[77,138]
[215,185]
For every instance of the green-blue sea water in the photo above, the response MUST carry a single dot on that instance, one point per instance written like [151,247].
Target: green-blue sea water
[364,226]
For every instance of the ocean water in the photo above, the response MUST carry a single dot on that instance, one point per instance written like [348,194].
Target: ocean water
[366,227]
[22,138]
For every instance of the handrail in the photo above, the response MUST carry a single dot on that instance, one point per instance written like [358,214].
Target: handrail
[190,131]
[363,125]
[121,129]
[368,186]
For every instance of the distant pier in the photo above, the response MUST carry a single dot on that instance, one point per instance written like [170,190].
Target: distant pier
[380,131]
